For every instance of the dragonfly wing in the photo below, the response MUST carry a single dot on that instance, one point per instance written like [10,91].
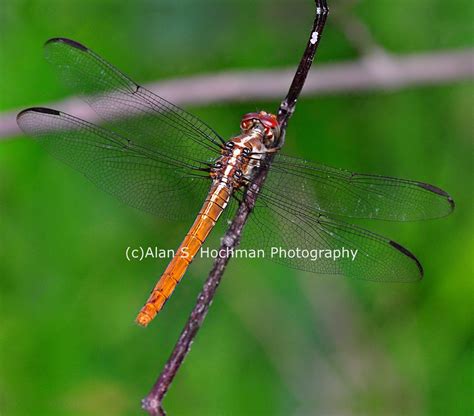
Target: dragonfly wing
[282,228]
[132,110]
[339,192]
[143,178]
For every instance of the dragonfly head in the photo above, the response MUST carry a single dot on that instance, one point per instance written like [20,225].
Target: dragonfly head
[267,123]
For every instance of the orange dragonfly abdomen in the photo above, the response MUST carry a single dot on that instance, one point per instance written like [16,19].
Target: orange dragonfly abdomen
[216,201]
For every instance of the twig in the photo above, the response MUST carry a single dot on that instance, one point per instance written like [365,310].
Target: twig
[287,107]
[153,402]
[365,74]
[355,30]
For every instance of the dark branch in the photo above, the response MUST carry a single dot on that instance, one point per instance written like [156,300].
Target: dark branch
[287,107]
[153,402]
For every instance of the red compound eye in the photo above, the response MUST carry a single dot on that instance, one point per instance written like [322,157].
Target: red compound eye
[246,124]
[269,120]
[250,116]
[248,120]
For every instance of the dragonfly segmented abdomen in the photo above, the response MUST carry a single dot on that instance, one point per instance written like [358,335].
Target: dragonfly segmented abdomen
[207,218]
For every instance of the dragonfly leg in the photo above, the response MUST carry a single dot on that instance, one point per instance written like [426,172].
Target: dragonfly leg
[275,149]
[271,150]
[239,199]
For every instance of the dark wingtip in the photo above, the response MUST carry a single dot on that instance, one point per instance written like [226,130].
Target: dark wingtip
[407,253]
[451,202]
[38,110]
[438,191]
[432,188]
[69,42]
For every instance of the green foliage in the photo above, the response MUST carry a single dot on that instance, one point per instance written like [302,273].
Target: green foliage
[276,341]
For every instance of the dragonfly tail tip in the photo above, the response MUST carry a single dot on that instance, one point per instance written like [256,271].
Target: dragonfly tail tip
[142,319]
[146,315]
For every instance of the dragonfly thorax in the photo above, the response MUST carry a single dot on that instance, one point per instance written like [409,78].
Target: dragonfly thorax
[242,155]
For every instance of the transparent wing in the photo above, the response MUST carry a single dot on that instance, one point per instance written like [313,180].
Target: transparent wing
[282,228]
[147,179]
[339,192]
[132,110]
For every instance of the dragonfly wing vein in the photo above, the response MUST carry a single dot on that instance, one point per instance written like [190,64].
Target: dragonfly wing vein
[343,193]
[144,180]
[150,120]
[281,223]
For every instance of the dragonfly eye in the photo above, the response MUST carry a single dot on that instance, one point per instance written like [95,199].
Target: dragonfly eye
[247,124]
[246,151]
[268,132]
[229,145]
[217,165]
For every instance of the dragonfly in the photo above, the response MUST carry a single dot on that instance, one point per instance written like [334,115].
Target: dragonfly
[159,158]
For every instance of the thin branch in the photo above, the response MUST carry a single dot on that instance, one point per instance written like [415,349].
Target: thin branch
[369,73]
[287,107]
[153,402]
[355,30]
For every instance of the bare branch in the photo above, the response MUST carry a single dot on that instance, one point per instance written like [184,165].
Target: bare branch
[287,107]
[153,402]
[374,72]
[355,30]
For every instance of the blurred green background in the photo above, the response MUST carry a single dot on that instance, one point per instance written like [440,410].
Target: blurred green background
[276,341]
